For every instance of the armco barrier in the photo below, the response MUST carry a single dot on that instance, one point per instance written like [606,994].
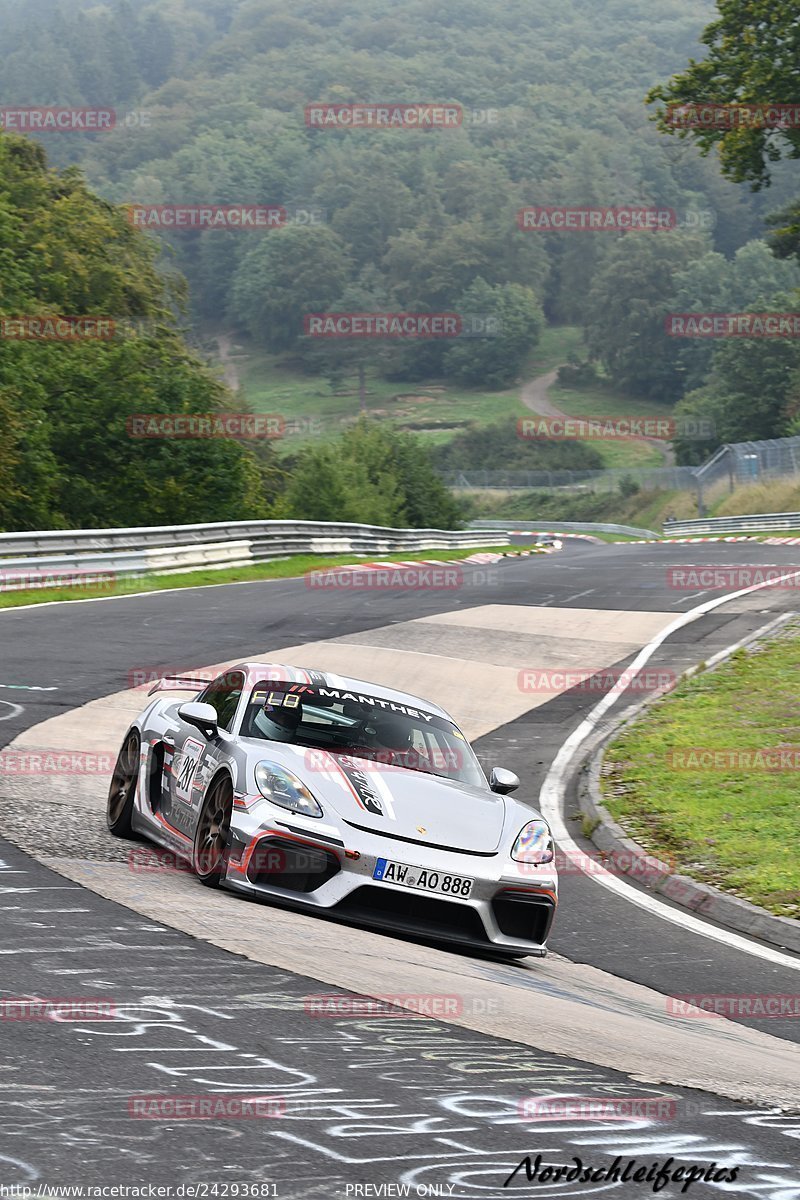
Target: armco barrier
[563,527]
[181,548]
[751,523]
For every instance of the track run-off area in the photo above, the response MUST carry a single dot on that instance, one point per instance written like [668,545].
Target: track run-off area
[211,992]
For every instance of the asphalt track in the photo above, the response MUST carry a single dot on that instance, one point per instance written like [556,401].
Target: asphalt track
[395,1100]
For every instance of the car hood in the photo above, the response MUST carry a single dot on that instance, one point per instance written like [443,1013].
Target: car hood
[395,802]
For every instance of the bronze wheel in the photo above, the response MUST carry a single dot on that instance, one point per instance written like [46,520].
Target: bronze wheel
[122,792]
[213,828]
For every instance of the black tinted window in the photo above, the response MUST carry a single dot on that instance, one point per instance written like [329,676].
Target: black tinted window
[223,695]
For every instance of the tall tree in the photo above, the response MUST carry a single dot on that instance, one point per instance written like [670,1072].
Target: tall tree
[630,301]
[753,58]
[291,273]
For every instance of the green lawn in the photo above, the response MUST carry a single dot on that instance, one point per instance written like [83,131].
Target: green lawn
[600,402]
[433,410]
[733,825]
[286,568]
[555,346]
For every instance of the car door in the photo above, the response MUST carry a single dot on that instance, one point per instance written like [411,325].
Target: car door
[195,757]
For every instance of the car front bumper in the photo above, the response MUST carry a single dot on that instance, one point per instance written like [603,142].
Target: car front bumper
[511,906]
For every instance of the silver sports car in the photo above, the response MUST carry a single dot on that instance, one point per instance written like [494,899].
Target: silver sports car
[331,794]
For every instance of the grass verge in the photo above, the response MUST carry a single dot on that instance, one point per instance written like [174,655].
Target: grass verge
[434,410]
[287,568]
[729,821]
[598,403]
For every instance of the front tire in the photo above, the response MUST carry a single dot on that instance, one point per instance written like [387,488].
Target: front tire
[122,793]
[213,828]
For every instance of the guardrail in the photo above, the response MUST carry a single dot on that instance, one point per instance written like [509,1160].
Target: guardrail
[180,548]
[753,522]
[563,527]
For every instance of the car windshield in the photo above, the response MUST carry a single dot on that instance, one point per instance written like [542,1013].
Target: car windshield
[361,726]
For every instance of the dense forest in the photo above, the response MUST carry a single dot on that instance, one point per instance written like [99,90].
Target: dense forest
[210,101]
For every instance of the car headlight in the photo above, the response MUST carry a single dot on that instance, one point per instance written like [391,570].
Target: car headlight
[534,843]
[283,788]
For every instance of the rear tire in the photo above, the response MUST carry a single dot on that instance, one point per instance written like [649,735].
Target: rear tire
[122,793]
[213,828]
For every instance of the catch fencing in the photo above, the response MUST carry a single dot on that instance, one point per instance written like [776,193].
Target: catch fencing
[646,478]
[735,465]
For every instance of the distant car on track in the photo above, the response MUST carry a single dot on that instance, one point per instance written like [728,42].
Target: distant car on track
[334,795]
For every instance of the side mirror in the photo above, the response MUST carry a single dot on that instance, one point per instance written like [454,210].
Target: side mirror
[202,716]
[503,781]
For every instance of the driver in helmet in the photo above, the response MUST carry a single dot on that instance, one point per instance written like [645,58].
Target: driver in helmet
[279,723]
[394,734]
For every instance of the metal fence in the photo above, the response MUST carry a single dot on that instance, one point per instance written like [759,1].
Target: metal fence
[648,478]
[740,463]
[734,465]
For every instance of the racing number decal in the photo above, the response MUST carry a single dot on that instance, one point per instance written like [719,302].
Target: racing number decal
[185,768]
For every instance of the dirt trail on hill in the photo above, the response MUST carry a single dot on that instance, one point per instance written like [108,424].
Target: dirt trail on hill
[534,395]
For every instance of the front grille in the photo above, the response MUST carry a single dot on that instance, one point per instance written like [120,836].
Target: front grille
[526,915]
[403,911]
[296,866]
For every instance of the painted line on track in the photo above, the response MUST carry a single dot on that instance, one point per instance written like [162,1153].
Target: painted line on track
[24,687]
[553,790]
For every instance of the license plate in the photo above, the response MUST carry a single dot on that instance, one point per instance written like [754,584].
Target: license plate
[422,879]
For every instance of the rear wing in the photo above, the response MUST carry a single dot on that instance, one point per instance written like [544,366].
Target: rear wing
[179,683]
